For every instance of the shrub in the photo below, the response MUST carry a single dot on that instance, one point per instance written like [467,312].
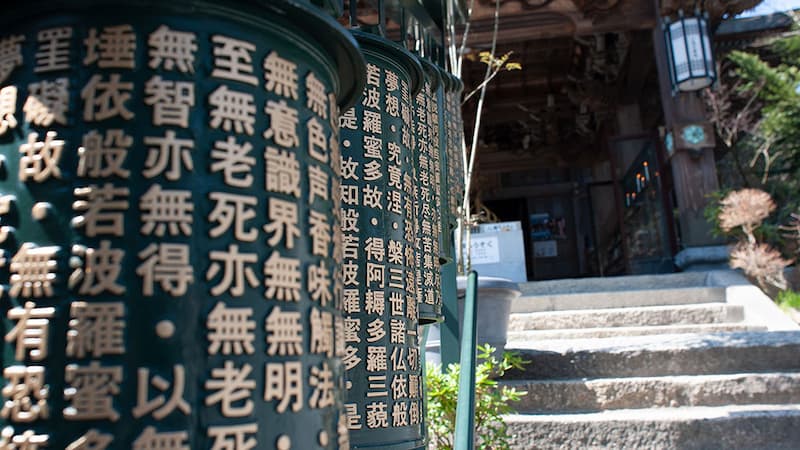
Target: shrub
[492,401]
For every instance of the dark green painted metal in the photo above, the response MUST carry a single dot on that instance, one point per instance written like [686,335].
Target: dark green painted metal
[384,396]
[164,332]
[426,132]
[465,411]
[450,330]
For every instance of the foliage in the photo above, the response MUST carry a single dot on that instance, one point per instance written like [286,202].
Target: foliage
[741,214]
[495,65]
[756,111]
[492,401]
[789,299]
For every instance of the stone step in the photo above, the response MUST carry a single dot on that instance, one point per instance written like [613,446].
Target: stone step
[617,299]
[582,395]
[624,317]
[659,355]
[586,333]
[775,427]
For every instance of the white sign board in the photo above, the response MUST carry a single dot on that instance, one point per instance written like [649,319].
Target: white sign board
[485,250]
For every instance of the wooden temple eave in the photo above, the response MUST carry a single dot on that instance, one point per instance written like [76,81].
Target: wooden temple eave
[522,20]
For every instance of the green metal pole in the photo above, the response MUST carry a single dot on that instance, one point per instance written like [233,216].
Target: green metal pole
[465,412]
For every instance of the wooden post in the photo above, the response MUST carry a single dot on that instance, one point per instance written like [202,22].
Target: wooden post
[694,172]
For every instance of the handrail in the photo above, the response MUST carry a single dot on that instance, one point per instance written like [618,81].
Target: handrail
[465,411]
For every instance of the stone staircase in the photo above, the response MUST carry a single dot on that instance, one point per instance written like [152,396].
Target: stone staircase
[683,361]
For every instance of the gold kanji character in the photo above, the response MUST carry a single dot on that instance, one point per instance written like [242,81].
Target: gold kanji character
[317,183]
[96,329]
[321,340]
[351,301]
[97,269]
[172,49]
[33,271]
[171,101]
[283,222]
[400,414]
[282,171]
[54,49]
[8,107]
[40,159]
[349,120]
[317,141]
[235,162]
[106,99]
[166,210]
[232,110]
[28,440]
[319,283]
[168,265]
[350,359]
[234,270]
[343,435]
[233,59]
[316,97]
[10,55]
[352,329]
[283,122]
[284,381]
[376,358]
[377,416]
[25,394]
[230,330]
[233,437]
[160,406]
[376,386]
[115,46]
[103,156]
[167,154]
[284,332]
[232,210]
[91,390]
[281,75]
[282,278]
[320,232]
[47,102]
[353,417]
[31,330]
[372,122]
[91,440]
[231,388]
[373,75]
[372,99]
[321,379]
[104,209]
[151,439]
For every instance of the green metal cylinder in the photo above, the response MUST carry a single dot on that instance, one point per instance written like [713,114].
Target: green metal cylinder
[382,355]
[429,200]
[170,230]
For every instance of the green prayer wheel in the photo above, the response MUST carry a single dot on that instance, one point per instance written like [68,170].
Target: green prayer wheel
[169,212]
[382,355]
[428,159]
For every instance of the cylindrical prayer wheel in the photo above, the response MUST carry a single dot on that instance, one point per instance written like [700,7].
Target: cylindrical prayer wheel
[170,229]
[429,200]
[452,180]
[382,355]
[455,134]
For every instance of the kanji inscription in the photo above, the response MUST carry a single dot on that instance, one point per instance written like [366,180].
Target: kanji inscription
[170,227]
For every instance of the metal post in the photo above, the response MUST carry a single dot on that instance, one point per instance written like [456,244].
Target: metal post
[465,412]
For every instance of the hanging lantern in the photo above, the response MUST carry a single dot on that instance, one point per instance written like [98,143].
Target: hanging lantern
[690,59]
